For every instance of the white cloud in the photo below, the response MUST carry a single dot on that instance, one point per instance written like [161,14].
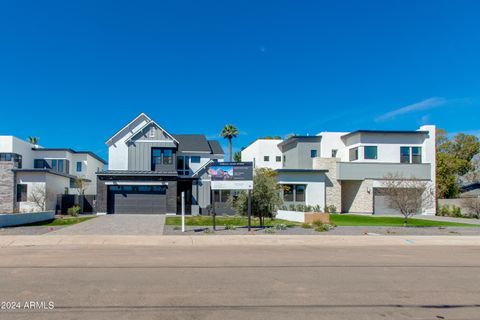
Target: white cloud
[426,104]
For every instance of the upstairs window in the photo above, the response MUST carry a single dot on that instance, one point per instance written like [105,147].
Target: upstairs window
[278,158]
[183,167]
[370,152]
[404,154]
[313,153]
[266,158]
[416,155]
[334,153]
[167,156]
[195,159]
[79,166]
[353,154]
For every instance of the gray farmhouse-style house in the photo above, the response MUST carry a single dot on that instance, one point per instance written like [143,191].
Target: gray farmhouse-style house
[149,168]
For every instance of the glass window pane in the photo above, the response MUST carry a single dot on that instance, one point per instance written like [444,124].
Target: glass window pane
[300,193]
[404,154]
[313,153]
[416,155]
[60,165]
[187,163]
[278,158]
[287,192]
[353,154]
[54,164]
[370,152]
[266,158]
[195,159]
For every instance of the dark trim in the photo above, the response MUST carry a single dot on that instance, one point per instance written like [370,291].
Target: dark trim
[384,132]
[72,151]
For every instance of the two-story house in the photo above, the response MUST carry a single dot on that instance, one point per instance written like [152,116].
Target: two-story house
[149,168]
[348,169]
[32,177]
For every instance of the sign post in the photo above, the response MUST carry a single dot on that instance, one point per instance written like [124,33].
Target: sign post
[183,211]
[231,176]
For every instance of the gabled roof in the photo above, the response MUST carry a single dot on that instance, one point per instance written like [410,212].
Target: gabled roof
[158,126]
[128,125]
[192,143]
[386,132]
[215,147]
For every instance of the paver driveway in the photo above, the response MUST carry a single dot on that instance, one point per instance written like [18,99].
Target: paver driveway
[118,224]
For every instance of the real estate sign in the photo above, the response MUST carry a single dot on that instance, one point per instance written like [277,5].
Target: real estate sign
[231,175]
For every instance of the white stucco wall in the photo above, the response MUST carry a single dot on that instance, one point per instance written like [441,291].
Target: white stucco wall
[260,148]
[331,141]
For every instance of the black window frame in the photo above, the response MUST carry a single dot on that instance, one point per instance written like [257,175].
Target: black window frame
[266,158]
[313,153]
[278,158]
[405,158]
[195,159]
[334,153]
[416,157]
[79,165]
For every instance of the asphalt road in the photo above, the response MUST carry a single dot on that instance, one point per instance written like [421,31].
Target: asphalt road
[241,282]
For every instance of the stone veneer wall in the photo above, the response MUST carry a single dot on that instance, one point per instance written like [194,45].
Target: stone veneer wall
[7,187]
[333,187]
[101,202]
[355,196]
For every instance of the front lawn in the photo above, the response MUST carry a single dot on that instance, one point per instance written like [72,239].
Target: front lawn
[358,220]
[63,221]
[338,219]
[237,221]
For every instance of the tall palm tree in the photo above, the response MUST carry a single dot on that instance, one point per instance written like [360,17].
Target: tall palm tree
[229,132]
[33,140]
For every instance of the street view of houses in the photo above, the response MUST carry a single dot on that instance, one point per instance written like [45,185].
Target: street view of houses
[260,160]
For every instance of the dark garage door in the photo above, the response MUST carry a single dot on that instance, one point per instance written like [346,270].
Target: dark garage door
[137,199]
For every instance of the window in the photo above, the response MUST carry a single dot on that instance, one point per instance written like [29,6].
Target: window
[79,166]
[40,164]
[278,158]
[334,153]
[370,152]
[404,154]
[167,156]
[294,192]
[416,155]
[183,166]
[156,158]
[54,165]
[284,159]
[300,193]
[266,158]
[313,153]
[16,158]
[221,195]
[288,192]
[21,192]
[353,154]
[60,165]
[195,159]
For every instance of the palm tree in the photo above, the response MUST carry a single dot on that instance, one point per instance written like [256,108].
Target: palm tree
[33,140]
[229,132]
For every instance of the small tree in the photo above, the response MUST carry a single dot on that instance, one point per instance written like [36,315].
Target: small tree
[409,196]
[265,196]
[81,184]
[33,141]
[472,205]
[39,197]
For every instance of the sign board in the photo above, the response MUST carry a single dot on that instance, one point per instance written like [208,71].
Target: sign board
[231,175]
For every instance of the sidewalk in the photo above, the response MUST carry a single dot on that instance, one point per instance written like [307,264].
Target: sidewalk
[449,219]
[243,240]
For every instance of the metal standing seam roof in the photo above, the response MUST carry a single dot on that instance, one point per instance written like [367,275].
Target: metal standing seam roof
[215,147]
[137,172]
[197,143]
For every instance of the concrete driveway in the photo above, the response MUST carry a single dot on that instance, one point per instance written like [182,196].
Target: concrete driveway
[117,224]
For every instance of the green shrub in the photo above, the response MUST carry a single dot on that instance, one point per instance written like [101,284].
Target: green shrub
[208,231]
[456,212]
[330,209]
[269,231]
[281,226]
[317,223]
[306,226]
[176,228]
[324,227]
[74,211]
[230,227]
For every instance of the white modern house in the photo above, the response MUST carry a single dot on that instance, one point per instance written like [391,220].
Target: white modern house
[348,169]
[28,172]
[264,153]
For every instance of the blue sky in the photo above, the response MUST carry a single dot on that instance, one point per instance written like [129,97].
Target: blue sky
[74,72]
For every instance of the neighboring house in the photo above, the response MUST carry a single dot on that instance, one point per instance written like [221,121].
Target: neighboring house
[470,190]
[28,172]
[346,169]
[149,168]
[264,153]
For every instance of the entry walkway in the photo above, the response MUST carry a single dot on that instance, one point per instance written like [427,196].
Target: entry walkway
[117,224]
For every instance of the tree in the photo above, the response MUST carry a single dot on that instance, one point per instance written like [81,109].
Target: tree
[33,140]
[229,132]
[237,156]
[81,184]
[409,196]
[265,196]
[39,197]
[472,205]
[454,159]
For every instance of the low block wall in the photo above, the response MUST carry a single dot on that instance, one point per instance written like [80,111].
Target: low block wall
[16,219]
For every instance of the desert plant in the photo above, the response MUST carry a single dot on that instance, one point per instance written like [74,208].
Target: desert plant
[324,227]
[330,209]
[269,231]
[316,208]
[281,226]
[74,211]
[306,225]
[230,227]
[291,207]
